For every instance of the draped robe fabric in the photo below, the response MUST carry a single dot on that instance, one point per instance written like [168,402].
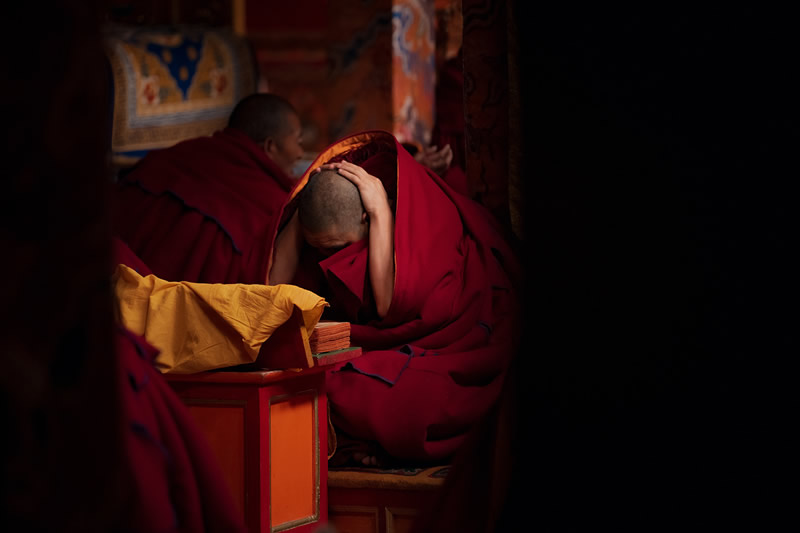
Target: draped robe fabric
[205,210]
[175,481]
[436,362]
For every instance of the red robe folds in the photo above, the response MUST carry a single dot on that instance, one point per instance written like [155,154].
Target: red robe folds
[176,483]
[436,362]
[205,210]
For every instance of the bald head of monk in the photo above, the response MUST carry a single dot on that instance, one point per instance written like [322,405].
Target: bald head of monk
[271,122]
[331,213]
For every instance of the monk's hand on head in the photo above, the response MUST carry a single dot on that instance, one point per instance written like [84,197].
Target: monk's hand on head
[373,194]
[381,233]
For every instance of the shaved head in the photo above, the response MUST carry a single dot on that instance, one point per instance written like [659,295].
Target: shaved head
[330,202]
[261,116]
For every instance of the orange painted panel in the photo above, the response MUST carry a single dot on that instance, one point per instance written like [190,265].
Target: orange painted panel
[294,468]
[223,427]
[346,519]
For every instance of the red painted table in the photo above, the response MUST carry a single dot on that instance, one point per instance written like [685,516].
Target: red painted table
[269,431]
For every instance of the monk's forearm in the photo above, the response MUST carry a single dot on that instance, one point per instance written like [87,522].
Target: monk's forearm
[381,261]
[286,253]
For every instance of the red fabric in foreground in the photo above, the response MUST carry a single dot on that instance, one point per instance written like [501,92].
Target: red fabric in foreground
[176,482]
[205,210]
[435,364]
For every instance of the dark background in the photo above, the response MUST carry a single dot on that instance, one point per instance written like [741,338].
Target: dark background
[655,389]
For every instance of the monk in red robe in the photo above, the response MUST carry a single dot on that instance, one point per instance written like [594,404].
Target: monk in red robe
[206,209]
[427,282]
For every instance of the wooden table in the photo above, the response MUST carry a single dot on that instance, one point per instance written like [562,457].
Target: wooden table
[269,429]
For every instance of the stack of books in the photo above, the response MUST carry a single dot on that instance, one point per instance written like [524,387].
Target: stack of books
[329,336]
[291,346]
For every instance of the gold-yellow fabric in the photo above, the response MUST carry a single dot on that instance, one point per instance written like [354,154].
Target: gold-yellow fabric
[203,326]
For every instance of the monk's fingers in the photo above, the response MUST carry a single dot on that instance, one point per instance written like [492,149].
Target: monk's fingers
[339,165]
[355,169]
[356,179]
[373,194]
[443,152]
[369,187]
[437,160]
[358,175]
[448,156]
[433,151]
[443,156]
[345,169]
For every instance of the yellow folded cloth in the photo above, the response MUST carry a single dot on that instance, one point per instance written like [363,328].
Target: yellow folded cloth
[203,326]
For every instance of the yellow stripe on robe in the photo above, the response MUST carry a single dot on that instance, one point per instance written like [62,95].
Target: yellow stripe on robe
[204,326]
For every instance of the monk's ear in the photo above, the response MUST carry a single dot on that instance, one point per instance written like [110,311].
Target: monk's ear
[363,217]
[269,145]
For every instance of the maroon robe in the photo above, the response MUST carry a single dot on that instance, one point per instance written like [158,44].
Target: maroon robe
[176,482]
[435,364]
[205,210]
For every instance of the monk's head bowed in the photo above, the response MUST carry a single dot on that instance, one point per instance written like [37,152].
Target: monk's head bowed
[330,211]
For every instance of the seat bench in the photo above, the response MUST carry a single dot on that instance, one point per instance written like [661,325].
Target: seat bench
[373,500]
